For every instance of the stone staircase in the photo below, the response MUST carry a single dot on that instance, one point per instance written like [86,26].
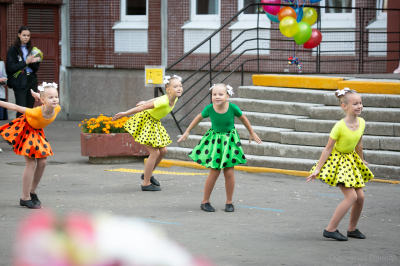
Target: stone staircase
[294,125]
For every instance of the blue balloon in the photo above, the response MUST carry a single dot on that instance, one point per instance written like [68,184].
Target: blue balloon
[299,12]
[315,1]
[272,17]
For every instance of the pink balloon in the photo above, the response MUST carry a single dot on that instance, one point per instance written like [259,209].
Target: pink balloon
[273,10]
[314,41]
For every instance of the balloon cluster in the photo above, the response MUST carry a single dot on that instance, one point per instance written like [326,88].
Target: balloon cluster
[295,22]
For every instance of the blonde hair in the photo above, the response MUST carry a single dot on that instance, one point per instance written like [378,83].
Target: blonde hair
[168,84]
[44,87]
[343,98]
[229,89]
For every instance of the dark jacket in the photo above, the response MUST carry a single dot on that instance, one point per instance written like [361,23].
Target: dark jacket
[14,63]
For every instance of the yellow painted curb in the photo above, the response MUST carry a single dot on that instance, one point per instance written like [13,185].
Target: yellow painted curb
[251,169]
[371,86]
[309,82]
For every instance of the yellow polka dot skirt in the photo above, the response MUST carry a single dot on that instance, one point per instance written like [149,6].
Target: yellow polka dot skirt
[344,168]
[147,130]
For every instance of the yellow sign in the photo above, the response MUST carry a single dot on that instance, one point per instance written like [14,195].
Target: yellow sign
[154,76]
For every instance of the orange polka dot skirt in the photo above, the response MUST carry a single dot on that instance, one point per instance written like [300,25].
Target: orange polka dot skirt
[344,168]
[147,130]
[25,139]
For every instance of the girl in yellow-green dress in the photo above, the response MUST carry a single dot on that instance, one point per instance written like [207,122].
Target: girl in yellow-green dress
[341,164]
[146,128]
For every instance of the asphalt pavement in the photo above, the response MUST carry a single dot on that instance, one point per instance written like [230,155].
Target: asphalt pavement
[278,219]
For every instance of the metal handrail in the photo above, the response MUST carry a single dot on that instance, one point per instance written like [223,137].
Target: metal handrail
[317,56]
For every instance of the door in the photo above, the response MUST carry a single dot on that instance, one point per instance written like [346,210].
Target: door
[43,21]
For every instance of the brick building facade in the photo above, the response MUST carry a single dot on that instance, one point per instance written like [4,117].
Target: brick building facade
[103,51]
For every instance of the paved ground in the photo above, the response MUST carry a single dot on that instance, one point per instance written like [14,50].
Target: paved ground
[278,219]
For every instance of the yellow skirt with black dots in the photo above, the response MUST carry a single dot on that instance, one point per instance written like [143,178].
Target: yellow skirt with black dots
[147,130]
[344,168]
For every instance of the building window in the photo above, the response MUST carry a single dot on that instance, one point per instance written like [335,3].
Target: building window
[131,32]
[248,20]
[338,11]
[134,10]
[377,36]
[204,20]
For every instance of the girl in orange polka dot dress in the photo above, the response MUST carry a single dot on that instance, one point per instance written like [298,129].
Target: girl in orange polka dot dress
[26,136]
[342,164]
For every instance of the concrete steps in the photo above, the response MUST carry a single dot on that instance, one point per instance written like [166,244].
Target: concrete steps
[299,151]
[294,125]
[381,171]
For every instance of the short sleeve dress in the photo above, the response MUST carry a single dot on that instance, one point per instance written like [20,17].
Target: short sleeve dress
[344,166]
[26,134]
[220,147]
[146,126]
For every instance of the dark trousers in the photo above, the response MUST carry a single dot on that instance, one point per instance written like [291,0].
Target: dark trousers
[3,112]
[23,96]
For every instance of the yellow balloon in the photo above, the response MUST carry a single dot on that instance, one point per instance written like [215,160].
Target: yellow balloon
[288,26]
[309,15]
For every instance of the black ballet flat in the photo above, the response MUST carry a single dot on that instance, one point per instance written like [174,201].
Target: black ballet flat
[150,187]
[35,199]
[207,207]
[356,234]
[29,204]
[152,180]
[229,208]
[335,235]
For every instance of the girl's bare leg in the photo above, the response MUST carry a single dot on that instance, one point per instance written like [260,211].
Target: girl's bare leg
[350,196]
[163,151]
[150,164]
[27,177]
[356,210]
[229,183]
[38,173]
[209,185]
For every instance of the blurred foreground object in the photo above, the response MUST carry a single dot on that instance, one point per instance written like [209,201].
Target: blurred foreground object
[95,240]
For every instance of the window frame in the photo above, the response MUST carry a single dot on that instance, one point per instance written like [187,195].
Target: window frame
[338,16]
[379,13]
[250,17]
[194,17]
[133,18]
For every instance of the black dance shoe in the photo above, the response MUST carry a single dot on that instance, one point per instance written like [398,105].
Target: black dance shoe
[35,199]
[150,187]
[152,180]
[207,207]
[29,204]
[229,208]
[356,234]
[335,235]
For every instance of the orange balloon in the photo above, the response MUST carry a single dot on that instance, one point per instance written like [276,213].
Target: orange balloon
[286,12]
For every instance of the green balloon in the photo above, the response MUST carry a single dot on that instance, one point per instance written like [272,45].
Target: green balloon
[303,34]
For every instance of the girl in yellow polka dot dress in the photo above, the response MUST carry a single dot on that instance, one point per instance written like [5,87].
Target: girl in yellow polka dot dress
[341,164]
[146,128]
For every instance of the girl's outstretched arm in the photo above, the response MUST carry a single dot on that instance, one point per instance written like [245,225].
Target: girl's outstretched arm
[138,109]
[253,135]
[194,123]
[324,156]
[13,107]
[359,150]
[149,101]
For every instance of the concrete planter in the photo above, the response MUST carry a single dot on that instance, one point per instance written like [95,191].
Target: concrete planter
[112,148]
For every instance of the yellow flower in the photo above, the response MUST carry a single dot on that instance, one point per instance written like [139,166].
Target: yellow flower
[90,131]
[80,125]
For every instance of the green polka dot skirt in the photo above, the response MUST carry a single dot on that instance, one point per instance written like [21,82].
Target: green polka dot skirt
[344,168]
[219,150]
[147,130]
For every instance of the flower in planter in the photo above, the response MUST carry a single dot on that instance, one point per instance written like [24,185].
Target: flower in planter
[104,125]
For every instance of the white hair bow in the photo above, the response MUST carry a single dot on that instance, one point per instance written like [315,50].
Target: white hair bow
[178,77]
[45,84]
[166,79]
[342,92]
[228,87]
[230,90]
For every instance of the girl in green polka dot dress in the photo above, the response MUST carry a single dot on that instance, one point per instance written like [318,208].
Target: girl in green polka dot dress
[146,128]
[342,164]
[220,147]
